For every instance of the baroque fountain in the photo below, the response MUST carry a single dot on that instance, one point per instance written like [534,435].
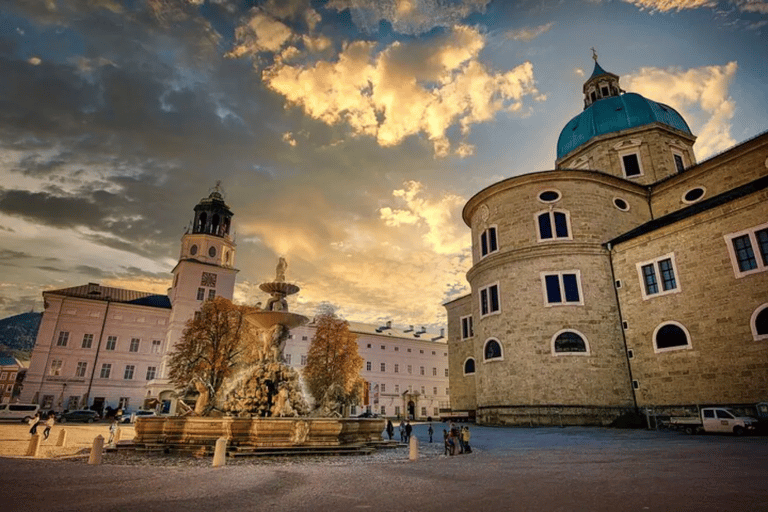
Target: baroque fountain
[264,409]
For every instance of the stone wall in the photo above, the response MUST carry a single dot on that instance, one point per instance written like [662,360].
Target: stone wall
[723,364]
[463,393]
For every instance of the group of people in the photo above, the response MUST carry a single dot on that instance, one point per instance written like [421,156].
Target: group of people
[37,420]
[456,440]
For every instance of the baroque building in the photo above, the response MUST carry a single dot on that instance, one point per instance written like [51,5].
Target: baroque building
[628,277]
[100,346]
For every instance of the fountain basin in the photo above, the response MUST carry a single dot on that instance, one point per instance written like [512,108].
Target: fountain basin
[279,287]
[268,319]
[181,432]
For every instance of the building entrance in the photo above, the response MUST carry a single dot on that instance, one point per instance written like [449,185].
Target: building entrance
[411,410]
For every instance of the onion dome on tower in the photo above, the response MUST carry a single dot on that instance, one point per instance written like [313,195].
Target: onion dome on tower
[212,215]
[609,114]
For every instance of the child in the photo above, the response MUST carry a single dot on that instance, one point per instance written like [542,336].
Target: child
[112,431]
[34,422]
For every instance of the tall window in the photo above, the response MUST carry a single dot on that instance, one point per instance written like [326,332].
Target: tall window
[469,366]
[488,242]
[397,368]
[151,372]
[410,369]
[569,342]
[467,329]
[123,402]
[671,336]
[200,293]
[679,163]
[87,340]
[56,365]
[434,372]
[106,370]
[134,345]
[631,165]
[82,366]
[421,370]
[63,339]
[211,294]
[156,346]
[111,343]
[658,277]
[129,369]
[489,300]
[562,288]
[749,250]
[287,358]
[553,225]
[303,360]
[368,365]
[383,367]
[492,349]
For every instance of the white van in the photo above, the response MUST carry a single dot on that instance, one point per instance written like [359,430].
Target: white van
[18,412]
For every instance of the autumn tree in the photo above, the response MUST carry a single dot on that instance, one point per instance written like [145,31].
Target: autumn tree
[210,347]
[332,373]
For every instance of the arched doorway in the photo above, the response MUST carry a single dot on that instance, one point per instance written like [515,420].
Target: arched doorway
[411,410]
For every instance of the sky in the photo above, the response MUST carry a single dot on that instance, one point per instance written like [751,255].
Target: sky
[347,134]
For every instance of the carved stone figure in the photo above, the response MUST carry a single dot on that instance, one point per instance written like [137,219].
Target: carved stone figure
[277,302]
[282,265]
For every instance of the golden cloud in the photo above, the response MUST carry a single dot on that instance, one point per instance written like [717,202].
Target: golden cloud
[529,33]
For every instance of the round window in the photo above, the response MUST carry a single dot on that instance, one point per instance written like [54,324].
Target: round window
[212,252]
[549,196]
[693,195]
[193,250]
[621,204]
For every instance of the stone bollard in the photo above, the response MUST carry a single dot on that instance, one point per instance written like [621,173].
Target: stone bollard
[98,446]
[34,445]
[220,452]
[414,449]
[62,438]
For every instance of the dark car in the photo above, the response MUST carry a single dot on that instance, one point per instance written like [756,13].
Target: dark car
[86,416]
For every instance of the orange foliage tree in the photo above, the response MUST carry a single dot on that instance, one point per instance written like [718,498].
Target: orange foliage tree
[332,373]
[210,347]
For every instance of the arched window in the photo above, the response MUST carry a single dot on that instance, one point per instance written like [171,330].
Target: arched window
[760,323]
[492,349]
[671,336]
[553,225]
[569,342]
[469,366]
[201,222]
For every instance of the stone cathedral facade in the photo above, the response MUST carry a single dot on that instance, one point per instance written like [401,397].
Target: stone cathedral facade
[629,277]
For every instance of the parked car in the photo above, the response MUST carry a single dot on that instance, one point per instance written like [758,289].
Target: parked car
[715,419]
[131,418]
[85,415]
[18,412]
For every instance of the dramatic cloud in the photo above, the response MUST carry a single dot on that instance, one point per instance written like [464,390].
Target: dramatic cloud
[528,33]
[406,89]
[758,6]
[701,95]
[408,16]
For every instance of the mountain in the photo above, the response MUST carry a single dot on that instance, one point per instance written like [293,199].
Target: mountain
[19,332]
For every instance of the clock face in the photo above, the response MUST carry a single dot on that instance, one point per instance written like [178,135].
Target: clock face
[209,279]
[212,252]
[193,250]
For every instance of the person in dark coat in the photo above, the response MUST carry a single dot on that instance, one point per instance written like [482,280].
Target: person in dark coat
[34,422]
[408,430]
[390,429]
[430,431]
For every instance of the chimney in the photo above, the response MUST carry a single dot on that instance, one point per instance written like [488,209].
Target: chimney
[389,324]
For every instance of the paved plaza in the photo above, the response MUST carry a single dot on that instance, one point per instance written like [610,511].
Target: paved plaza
[533,469]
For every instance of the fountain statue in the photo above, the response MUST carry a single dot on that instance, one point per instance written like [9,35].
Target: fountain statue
[267,387]
[263,401]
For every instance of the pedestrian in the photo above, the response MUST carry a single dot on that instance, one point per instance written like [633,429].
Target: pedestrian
[460,437]
[446,442]
[112,431]
[48,424]
[408,430]
[465,439]
[430,431]
[390,429]
[402,431]
[33,422]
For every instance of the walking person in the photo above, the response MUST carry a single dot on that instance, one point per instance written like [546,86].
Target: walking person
[461,439]
[390,429]
[402,431]
[112,431]
[48,424]
[33,422]
[430,431]
[465,439]
[446,442]
[408,430]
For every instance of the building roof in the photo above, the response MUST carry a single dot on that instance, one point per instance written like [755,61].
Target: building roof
[10,361]
[629,110]
[597,72]
[707,204]
[95,291]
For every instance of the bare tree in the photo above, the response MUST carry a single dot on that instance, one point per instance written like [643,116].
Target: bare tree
[209,349]
[333,365]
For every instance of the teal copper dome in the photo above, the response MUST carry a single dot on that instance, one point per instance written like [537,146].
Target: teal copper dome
[613,114]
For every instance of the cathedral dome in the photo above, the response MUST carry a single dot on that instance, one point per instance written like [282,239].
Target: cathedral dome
[613,114]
